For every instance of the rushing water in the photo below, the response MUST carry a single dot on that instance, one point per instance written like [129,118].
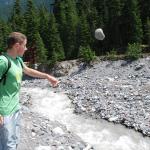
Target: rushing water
[99,133]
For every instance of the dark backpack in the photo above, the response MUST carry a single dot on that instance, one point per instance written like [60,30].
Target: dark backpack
[5,73]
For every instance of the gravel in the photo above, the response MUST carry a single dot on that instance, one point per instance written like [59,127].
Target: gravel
[118,91]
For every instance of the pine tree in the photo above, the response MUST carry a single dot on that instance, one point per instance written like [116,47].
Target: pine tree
[88,9]
[1,37]
[113,25]
[31,23]
[84,6]
[41,52]
[67,19]
[70,29]
[60,15]
[131,23]
[100,6]
[5,30]
[147,29]
[43,24]
[84,35]
[94,22]
[101,22]
[54,43]
[59,12]
[144,6]
[17,20]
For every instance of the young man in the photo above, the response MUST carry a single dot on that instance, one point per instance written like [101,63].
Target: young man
[9,92]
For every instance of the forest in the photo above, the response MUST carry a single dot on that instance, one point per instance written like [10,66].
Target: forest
[66,29]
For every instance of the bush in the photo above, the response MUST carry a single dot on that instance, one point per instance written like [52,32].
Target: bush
[134,51]
[112,55]
[86,53]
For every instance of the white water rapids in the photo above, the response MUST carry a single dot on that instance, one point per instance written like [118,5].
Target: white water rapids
[101,134]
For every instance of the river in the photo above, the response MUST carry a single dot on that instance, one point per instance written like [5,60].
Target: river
[102,135]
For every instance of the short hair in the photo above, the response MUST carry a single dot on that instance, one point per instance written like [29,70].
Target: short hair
[15,37]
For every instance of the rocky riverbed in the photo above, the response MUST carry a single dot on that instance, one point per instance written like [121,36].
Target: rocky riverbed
[39,133]
[118,91]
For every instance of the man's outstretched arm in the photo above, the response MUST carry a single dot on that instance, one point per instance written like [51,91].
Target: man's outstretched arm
[34,73]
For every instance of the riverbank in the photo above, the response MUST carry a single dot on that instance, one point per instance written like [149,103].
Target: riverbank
[38,131]
[117,91]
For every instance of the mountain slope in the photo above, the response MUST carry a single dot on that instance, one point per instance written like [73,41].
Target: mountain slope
[7,5]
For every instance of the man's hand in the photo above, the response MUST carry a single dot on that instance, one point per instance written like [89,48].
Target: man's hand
[55,83]
[53,80]
[34,73]
[1,120]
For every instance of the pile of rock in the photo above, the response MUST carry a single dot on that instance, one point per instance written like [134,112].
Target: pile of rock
[118,91]
[39,133]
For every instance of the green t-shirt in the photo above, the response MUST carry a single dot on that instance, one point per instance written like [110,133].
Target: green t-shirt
[9,93]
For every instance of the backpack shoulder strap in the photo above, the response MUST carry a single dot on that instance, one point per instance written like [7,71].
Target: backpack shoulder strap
[5,73]
[20,60]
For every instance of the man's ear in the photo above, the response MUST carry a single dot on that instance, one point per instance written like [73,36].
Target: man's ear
[16,45]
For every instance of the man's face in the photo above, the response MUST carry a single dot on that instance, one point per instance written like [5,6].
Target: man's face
[22,48]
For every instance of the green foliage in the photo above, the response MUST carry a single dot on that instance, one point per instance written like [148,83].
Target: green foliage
[55,47]
[133,51]
[112,55]
[86,53]
[68,21]
[123,22]
[147,29]
[16,20]
[131,23]
[4,32]
[144,9]
[41,52]
[144,6]
[43,24]
[31,22]
[70,29]
[84,35]
[53,59]
[113,23]
[59,12]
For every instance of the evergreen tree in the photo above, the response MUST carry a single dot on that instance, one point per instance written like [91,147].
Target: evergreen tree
[84,35]
[1,37]
[70,29]
[100,6]
[101,22]
[31,23]
[60,15]
[41,52]
[131,23]
[5,30]
[94,22]
[59,12]
[147,29]
[144,6]
[43,24]
[35,42]
[88,10]
[67,18]
[84,6]
[113,25]
[17,20]
[86,54]
[54,43]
